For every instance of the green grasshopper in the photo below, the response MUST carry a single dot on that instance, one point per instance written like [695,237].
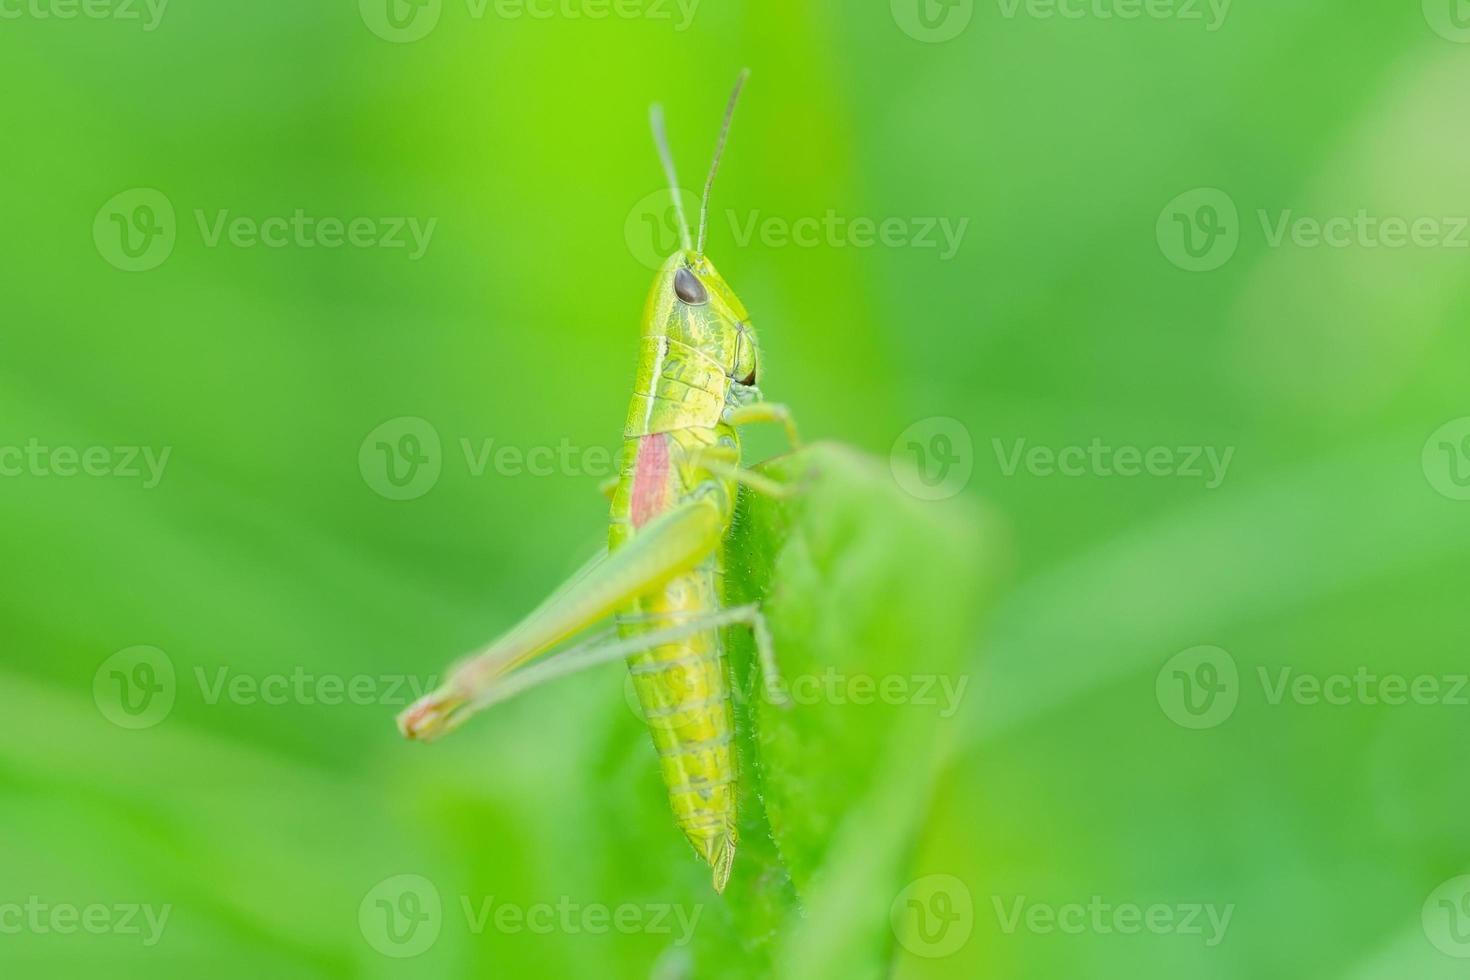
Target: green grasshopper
[661,575]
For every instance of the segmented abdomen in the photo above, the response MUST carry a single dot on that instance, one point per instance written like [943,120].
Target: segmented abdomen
[683,686]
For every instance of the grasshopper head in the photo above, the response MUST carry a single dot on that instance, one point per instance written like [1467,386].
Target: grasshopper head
[692,304]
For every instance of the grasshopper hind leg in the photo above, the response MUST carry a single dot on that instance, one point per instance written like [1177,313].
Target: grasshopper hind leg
[716,848]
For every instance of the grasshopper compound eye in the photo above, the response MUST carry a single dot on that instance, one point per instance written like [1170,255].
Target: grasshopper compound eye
[689,289]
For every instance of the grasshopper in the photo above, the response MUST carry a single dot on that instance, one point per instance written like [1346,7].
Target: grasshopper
[661,575]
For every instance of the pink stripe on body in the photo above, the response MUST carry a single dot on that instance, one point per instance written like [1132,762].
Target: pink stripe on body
[651,478]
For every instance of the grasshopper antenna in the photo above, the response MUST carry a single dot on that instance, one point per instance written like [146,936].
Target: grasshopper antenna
[661,140]
[719,152]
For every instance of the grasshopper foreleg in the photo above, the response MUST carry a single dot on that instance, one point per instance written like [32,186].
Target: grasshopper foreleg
[763,411]
[724,462]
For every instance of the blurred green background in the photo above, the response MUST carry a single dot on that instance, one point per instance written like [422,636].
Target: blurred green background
[1132,188]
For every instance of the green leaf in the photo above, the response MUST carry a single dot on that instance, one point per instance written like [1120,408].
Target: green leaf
[873,599]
